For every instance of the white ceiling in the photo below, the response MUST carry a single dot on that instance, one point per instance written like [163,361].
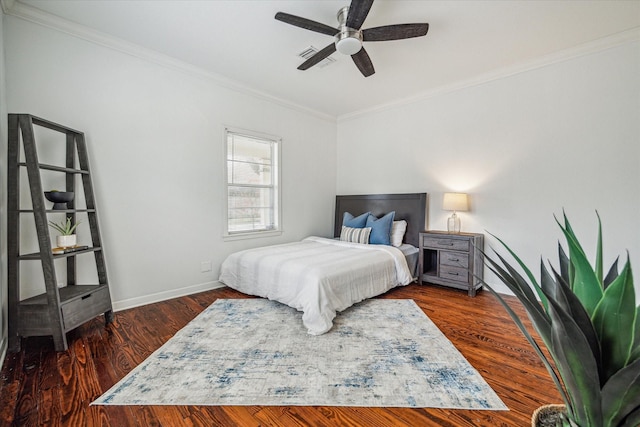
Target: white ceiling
[241,41]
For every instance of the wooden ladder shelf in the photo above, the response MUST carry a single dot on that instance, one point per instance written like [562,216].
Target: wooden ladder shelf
[59,309]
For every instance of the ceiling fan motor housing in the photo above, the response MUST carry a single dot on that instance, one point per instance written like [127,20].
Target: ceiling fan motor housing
[348,41]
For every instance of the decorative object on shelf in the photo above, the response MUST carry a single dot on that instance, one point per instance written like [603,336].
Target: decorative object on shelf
[66,228]
[66,241]
[588,321]
[69,249]
[455,202]
[59,198]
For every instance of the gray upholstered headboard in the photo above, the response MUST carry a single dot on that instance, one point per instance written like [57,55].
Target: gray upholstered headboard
[412,207]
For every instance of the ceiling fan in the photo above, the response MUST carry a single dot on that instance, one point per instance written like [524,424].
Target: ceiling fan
[349,37]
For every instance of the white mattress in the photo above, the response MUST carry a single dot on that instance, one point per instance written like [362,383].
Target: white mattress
[317,276]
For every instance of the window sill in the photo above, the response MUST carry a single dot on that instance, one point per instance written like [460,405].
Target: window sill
[251,235]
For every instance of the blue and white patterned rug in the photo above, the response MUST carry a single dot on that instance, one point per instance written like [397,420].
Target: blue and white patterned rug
[257,352]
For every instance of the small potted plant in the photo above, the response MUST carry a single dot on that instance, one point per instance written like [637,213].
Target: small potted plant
[590,324]
[66,239]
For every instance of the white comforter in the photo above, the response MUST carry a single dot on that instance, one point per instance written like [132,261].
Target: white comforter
[317,276]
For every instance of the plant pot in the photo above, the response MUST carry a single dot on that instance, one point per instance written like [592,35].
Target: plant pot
[548,415]
[66,241]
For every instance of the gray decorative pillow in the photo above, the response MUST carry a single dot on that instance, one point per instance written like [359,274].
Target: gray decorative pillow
[355,235]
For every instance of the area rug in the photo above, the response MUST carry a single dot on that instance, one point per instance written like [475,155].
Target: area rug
[257,352]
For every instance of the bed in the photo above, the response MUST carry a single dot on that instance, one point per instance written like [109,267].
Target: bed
[323,276]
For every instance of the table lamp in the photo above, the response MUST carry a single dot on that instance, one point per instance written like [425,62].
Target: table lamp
[455,202]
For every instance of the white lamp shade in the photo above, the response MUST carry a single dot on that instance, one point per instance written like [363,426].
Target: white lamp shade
[455,202]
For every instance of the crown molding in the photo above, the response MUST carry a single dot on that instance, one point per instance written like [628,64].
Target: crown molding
[7,5]
[612,41]
[40,17]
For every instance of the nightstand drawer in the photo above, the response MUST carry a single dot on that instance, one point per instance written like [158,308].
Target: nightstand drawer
[456,274]
[445,243]
[455,259]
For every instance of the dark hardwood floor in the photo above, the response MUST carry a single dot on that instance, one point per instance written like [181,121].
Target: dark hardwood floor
[41,387]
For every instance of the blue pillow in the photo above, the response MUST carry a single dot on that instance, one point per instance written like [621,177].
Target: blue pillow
[359,221]
[380,229]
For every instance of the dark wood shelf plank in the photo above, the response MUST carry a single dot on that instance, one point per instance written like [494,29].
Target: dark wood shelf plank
[53,126]
[36,256]
[61,211]
[58,168]
[67,293]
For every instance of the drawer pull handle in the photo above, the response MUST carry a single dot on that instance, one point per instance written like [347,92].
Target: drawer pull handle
[86,296]
[445,244]
[452,274]
[454,259]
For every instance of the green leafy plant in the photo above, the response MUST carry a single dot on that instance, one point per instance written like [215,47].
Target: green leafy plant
[590,325]
[66,228]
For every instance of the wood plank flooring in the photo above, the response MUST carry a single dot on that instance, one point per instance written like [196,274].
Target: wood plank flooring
[39,386]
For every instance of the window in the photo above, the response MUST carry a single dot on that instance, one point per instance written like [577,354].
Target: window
[253,170]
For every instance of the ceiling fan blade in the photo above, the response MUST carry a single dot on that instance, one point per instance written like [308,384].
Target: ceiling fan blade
[363,62]
[394,32]
[358,12]
[307,24]
[318,57]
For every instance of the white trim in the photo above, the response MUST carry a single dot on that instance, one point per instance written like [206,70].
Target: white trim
[251,235]
[165,295]
[250,133]
[7,5]
[40,17]
[595,46]
[3,350]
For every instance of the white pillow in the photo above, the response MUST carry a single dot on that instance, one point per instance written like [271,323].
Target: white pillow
[355,235]
[398,228]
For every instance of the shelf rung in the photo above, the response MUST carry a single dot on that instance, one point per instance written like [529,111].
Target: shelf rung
[58,168]
[53,126]
[36,256]
[60,211]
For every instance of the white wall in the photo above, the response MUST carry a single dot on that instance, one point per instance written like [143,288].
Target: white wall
[525,147]
[155,139]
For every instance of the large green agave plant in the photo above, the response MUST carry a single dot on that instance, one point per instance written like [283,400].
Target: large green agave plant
[590,325]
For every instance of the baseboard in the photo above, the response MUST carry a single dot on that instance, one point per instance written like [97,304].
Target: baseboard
[3,351]
[165,295]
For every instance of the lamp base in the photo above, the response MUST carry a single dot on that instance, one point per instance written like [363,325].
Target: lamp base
[453,224]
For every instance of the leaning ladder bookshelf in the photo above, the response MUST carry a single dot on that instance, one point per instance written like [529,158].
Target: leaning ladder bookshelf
[59,309]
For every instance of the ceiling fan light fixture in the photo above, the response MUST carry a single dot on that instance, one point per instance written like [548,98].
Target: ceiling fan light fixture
[349,35]
[349,42]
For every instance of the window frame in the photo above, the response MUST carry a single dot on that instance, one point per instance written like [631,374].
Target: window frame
[276,186]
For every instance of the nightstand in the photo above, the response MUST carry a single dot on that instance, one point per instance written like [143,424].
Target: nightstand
[453,260]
